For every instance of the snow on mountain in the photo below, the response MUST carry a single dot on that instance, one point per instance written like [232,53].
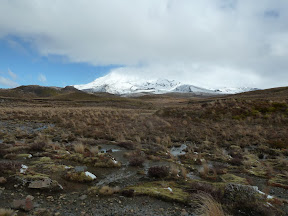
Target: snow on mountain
[231,90]
[122,85]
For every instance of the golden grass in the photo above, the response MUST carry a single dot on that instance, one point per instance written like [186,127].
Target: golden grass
[79,148]
[207,206]
[7,212]
[107,191]
[94,150]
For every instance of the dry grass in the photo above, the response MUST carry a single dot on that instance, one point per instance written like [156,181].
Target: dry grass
[207,206]
[174,171]
[94,150]
[79,148]
[107,191]
[183,172]
[7,212]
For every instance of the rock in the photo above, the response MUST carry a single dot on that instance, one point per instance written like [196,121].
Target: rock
[25,204]
[83,197]
[184,212]
[240,193]
[3,180]
[80,168]
[45,183]
[50,198]
[42,212]
[128,193]
[30,197]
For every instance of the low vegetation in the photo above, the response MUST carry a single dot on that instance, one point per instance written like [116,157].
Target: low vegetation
[135,147]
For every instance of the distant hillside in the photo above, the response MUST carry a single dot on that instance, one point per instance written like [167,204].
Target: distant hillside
[280,92]
[35,91]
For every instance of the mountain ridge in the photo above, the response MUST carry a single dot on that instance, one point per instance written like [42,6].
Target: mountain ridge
[122,85]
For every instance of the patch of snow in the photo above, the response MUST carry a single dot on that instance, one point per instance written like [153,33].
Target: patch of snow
[268,196]
[124,85]
[88,174]
[170,189]
[226,90]
[114,161]
[23,169]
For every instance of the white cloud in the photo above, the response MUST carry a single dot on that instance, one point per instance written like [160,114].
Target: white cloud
[224,37]
[12,75]
[42,78]
[7,82]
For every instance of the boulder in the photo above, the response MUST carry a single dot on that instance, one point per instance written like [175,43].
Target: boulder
[45,183]
[25,204]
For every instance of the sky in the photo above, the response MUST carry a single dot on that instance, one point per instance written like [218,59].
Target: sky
[209,43]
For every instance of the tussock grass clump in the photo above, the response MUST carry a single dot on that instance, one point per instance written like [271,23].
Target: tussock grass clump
[94,150]
[103,191]
[108,191]
[208,172]
[207,206]
[9,166]
[38,146]
[79,148]
[7,212]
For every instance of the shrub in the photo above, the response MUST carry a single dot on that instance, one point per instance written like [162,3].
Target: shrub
[158,172]
[278,144]
[202,187]
[236,161]
[136,161]
[128,193]
[127,145]
[6,166]
[38,146]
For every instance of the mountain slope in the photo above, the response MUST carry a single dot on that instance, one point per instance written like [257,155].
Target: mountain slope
[117,84]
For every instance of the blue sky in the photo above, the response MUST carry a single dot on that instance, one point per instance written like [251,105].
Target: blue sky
[207,43]
[21,64]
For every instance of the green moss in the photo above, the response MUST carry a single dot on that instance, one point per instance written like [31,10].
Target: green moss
[160,190]
[45,159]
[25,156]
[102,160]
[34,176]
[258,171]
[54,167]
[93,190]
[230,178]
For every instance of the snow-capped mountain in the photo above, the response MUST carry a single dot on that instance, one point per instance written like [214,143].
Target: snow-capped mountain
[122,85]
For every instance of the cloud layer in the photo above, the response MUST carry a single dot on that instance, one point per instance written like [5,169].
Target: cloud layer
[207,41]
